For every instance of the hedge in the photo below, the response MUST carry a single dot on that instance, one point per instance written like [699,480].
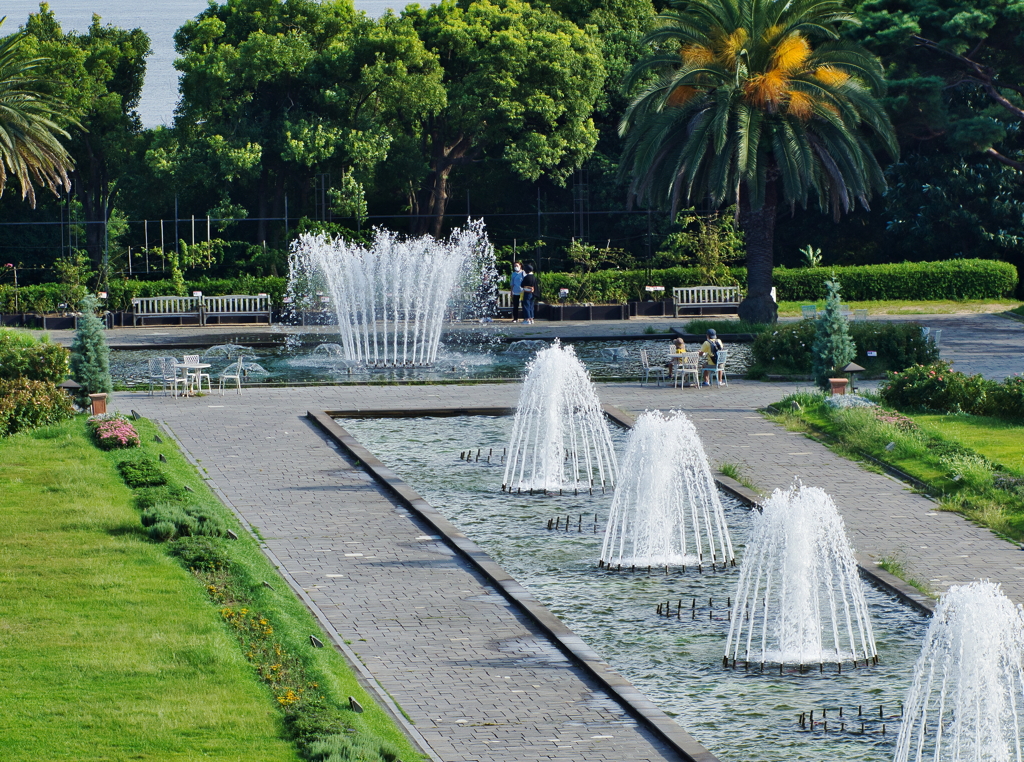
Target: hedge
[49,296]
[21,356]
[26,404]
[787,350]
[950,279]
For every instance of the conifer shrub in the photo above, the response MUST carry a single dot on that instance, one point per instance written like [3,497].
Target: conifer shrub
[90,355]
[833,346]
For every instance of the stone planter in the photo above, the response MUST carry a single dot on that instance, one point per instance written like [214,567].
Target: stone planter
[99,403]
[839,385]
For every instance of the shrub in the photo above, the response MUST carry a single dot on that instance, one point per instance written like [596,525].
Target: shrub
[787,348]
[1006,400]
[935,387]
[90,355]
[27,404]
[341,748]
[113,432]
[21,356]
[200,553]
[832,348]
[142,472]
[187,521]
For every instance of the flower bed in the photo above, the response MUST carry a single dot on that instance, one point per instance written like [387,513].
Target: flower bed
[113,432]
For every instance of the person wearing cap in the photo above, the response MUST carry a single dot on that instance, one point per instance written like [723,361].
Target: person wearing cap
[709,352]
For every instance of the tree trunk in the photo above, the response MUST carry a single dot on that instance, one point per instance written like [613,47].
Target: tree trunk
[432,198]
[758,226]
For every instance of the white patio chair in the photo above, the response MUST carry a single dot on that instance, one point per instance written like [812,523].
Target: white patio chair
[233,371]
[688,364]
[172,378]
[156,374]
[719,368]
[860,315]
[196,373]
[648,369]
[808,311]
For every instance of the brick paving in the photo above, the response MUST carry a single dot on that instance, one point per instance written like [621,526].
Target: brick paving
[479,681]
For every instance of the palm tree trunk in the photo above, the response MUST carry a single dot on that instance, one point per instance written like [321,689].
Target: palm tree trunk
[758,226]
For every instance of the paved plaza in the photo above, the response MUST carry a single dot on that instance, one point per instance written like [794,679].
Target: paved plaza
[479,680]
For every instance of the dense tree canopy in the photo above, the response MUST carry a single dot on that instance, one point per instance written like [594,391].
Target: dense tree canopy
[757,103]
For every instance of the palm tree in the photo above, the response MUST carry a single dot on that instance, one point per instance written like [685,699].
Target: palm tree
[755,103]
[29,146]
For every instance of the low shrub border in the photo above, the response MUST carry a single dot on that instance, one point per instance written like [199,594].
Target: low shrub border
[26,404]
[311,686]
[937,387]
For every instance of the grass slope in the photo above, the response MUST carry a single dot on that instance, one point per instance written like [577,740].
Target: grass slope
[108,649]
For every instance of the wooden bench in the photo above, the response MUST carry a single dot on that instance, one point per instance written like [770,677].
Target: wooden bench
[715,299]
[236,306]
[166,307]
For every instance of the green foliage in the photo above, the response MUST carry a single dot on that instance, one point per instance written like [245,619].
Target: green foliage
[710,242]
[812,256]
[21,356]
[27,404]
[167,521]
[833,347]
[786,349]
[201,553]
[141,472]
[90,355]
[938,387]
[113,432]
[951,279]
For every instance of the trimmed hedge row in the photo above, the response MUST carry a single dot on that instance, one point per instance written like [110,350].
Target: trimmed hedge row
[48,297]
[951,279]
[787,350]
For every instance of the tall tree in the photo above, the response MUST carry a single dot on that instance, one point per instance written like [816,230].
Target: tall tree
[30,149]
[520,84]
[756,102]
[277,93]
[98,75]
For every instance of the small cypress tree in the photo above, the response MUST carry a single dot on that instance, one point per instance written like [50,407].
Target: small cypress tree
[90,355]
[832,348]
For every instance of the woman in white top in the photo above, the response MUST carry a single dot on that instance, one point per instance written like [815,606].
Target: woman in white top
[517,289]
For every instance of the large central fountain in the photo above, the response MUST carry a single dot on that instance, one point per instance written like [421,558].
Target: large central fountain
[967,699]
[666,510]
[392,298]
[560,438]
[800,599]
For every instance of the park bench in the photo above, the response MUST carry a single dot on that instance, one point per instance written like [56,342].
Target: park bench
[234,306]
[165,308]
[715,299]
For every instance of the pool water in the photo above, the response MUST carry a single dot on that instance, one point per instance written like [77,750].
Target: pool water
[676,662]
[322,363]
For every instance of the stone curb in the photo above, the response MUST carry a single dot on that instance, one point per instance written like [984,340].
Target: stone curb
[363,675]
[614,684]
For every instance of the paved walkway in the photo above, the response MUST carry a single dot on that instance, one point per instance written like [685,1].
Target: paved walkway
[479,681]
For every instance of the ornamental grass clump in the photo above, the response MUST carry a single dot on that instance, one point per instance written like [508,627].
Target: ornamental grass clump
[113,432]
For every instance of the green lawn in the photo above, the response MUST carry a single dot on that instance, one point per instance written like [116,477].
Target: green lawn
[111,650]
[108,648]
[896,307]
[999,441]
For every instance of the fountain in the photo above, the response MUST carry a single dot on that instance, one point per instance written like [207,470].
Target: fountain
[560,439]
[968,692]
[666,510]
[799,599]
[391,299]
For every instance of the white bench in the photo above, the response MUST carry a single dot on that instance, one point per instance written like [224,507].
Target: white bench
[504,299]
[236,306]
[164,307]
[700,298]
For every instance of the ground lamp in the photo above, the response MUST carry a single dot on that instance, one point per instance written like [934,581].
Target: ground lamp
[70,386]
[852,369]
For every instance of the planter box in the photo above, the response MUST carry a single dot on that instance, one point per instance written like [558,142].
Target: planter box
[657,308]
[560,312]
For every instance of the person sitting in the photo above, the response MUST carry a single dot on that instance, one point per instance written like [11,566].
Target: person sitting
[678,347]
[709,354]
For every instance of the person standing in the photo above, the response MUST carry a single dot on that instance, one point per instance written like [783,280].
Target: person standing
[529,286]
[709,352]
[517,289]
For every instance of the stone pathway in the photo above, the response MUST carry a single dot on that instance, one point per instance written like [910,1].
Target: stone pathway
[478,680]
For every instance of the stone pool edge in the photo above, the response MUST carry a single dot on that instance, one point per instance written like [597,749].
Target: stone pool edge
[642,709]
